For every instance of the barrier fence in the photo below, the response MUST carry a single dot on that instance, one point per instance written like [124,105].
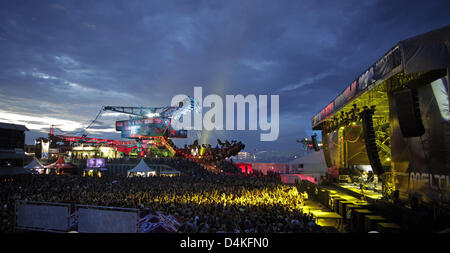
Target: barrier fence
[60,217]
[100,219]
[42,216]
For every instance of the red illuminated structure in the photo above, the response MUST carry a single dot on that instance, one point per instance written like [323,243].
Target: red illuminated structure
[151,129]
[246,168]
[61,167]
[122,146]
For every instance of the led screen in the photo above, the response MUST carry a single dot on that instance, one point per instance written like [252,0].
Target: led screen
[150,127]
[96,163]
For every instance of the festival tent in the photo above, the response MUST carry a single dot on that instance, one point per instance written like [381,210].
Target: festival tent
[60,166]
[313,163]
[36,166]
[141,169]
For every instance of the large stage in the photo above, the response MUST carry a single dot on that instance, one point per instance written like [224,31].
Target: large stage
[355,191]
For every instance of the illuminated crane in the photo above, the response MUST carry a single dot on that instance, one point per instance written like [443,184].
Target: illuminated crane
[172,112]
[153,122]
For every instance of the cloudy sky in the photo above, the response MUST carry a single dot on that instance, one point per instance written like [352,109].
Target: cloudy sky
[61,61]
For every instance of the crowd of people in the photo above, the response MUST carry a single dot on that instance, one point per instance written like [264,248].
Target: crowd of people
[206,202]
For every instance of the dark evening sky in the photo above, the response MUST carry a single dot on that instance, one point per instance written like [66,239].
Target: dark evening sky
[61,61]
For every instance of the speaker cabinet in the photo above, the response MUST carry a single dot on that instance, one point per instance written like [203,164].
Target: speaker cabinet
[370,139]
[314,142]
[408,113]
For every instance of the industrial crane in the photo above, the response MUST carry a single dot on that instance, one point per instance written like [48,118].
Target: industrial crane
[153,122]
[150,127]
[172,112]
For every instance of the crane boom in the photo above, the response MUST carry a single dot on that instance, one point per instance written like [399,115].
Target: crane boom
[150,112]
[137,111]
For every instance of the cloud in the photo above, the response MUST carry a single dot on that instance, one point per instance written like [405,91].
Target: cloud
[57,6]
[76,90]
[66,61]
[39,122]
[90,25]
[40,75]
[42,123]
[304,82]
[112,114]
[261,65]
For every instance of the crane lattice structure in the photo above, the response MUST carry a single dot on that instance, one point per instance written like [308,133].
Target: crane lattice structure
[160,114]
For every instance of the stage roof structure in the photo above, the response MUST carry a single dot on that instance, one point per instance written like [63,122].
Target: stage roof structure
[422,53]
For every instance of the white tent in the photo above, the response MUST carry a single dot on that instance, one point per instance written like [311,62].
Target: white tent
[141,169]
[313,162]
[35,165]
